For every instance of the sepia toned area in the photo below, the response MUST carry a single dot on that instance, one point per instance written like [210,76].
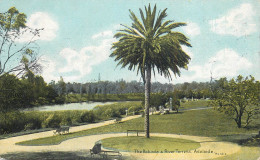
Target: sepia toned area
[146,80]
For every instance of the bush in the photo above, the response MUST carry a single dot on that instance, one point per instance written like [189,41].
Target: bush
[60,100]
[11,122]
[42,101]
[87,116]
[66,121]
[110,112]
[53,121]
[32,122]
[28,126]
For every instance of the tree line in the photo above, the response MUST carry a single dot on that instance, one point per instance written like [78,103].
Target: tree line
[189,90]
[28,91]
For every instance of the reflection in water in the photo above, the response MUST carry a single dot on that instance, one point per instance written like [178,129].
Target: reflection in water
[70,106]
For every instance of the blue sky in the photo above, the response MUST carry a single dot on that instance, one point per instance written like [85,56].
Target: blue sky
[77,36]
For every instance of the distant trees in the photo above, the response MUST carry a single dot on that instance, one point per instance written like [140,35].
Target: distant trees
[30,90]
[103,88]
[16,56]
[239,98]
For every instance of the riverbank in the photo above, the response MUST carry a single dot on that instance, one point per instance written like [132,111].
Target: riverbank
[15,121]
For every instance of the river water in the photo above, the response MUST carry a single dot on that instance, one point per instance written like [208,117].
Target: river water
[70,106]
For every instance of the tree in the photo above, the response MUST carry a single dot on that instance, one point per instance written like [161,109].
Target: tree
[12,29]
[148,45]
[239,98]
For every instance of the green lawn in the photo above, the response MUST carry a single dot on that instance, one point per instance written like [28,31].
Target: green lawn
[246,153]
[194,104]
[197,122]
[153,144]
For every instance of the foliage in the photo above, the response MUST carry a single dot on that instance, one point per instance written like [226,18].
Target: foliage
[150,44]
[158,99]
[53,121]
[109,90]
[87,116]
[117,109]
[11,122]
[17,57]
[207,122]
[16,121]
[12,91]
[30,90]
[238,98]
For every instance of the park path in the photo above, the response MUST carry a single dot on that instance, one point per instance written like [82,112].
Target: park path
[8,144]
[215,148]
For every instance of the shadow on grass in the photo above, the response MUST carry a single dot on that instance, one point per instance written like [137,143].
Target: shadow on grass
[51,155]
[256,126]
[241,139]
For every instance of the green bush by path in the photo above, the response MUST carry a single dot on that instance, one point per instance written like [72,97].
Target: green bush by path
[18,121]
[197,122]
[118,109]
[133,143]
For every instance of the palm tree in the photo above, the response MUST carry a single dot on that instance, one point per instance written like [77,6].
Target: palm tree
[151,45]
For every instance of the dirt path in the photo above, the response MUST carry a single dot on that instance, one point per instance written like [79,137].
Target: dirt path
[210,148]
[8,145]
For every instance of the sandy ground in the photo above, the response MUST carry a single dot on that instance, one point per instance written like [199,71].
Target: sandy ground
[210,148]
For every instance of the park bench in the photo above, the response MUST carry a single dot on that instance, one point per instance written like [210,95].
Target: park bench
[61,129]
[118,120]
[137,131]
[96,150]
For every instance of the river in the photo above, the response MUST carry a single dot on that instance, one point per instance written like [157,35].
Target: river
[69,106]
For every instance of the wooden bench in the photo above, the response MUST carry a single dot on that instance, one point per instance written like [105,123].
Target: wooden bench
[62,129]
[137,131]
[96,150]
[118,120]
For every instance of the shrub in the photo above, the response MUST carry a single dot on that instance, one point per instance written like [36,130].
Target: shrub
[87,116]
[66,121]
[12,122]
[32,122]
[53,121]
[28,126]
[42,101]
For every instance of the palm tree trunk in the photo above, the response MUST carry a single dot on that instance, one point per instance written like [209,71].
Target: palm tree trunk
[147,101]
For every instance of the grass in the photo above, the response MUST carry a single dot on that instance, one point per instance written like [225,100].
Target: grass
[194,104]
[197,122]
[246,153]
[153,144]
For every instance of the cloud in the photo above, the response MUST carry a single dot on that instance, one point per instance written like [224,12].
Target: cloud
[226,63]
[237,22]
[49,68]
[74,65]
[41,20]
[192,29]
[103,34]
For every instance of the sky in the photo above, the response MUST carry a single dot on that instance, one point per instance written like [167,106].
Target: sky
[77,37]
